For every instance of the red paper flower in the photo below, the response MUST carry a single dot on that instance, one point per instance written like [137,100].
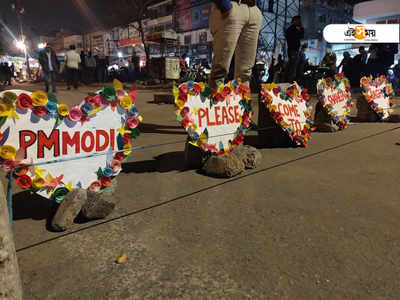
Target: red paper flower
[185,122]
[24,101]
[219,97]
[105,181]
[119,156]
[226,91]
[24,181]
[196,88]
[275,91]
[39,110]
[183,97]
[184,111]
[92,101]
[243,89]
[126,138]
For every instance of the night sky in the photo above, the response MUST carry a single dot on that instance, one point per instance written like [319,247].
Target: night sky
[48,16]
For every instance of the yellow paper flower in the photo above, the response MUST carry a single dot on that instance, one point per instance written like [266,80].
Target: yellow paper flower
[180,104]
[127,146]
[7,152]
[39,98]
[203,138]
[9,98]
[37,182]
[63,110]
[140,118]
[194,126]
[118,85]
[3,110]
[202,85]
[126,102]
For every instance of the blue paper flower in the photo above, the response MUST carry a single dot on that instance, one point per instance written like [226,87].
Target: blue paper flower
[134,111]
[51,107]
[108,172]
[86,108]
[190,85]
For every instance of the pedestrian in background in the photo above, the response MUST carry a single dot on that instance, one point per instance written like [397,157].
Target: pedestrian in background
[50,66]
[91,68]
[329,61]
[82,68]
[301,64]
[235,27]
[359,67]
[294,34]
[346,65]
[72,61]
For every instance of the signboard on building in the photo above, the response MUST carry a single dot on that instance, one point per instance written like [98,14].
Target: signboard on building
[184,19]
[200,14]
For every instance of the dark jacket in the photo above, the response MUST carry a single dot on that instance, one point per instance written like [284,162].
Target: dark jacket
[226,5]
[44,61]
[293,36]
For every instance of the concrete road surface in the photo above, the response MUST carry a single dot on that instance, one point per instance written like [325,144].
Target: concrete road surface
[315,223]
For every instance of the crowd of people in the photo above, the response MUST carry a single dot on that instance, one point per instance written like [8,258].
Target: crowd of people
[83,68]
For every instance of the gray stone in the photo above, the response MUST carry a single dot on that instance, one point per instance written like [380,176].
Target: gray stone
[323,121]
[69,209]
[250,156]
[164,98]
[99,205]
[223,166]
[364,111]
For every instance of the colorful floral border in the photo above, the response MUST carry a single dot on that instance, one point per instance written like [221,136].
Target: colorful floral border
[341,121]
[183,94]
[292,91]
[387,90]
[42,104]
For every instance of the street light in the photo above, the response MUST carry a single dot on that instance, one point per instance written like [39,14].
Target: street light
[120,54]
[42,45]
[20,45]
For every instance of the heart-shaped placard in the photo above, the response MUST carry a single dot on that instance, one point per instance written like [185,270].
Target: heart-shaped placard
[379,94]
[291,110]
[36,129]
[216,121]
[335,97]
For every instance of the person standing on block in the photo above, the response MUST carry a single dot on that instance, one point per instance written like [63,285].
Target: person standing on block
[235,26]
[294,34]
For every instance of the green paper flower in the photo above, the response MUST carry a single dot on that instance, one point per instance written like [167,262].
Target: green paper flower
[51,97]
[207,92]
[60,193]
[9,98]
[109,92]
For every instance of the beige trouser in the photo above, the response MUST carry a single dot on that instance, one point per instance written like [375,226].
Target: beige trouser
[237,33]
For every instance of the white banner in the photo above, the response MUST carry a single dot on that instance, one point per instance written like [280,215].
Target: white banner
[362,33]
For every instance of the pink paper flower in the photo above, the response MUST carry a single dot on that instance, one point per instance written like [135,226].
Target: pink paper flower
[183,88]
[95,186]
[75,114]
[115,165]
[100,100]
[132,122]
[121,94]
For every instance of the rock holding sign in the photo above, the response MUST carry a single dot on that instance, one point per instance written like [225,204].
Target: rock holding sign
[378,94]
[35,128]
[291,111]
[333,109]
